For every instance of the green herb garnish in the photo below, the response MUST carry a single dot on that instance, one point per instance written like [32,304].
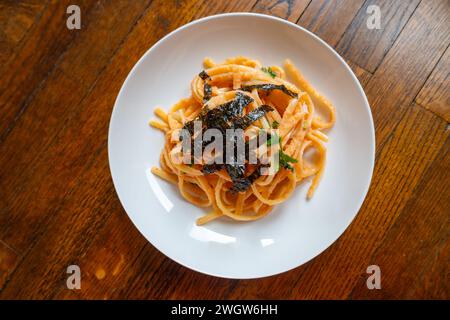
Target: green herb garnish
[269,71]
[275,124]
[284,159]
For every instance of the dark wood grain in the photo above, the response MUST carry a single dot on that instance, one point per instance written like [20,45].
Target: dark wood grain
[27,163]
[414,263]
[367,47]
[290,10]
[45,42]
[329,18]
[61,155]
[362,74]
[8,261]
[407,66]
[435,94]
[411,149]
[16,19]
[57,91]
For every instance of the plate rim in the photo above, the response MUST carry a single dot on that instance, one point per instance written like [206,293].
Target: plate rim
[291,24]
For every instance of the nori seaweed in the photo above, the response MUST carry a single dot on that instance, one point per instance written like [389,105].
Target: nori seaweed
[270,87]
[233,108]
[227,116]
[251,117]
[211,168]
[223,116]
[207,92]
[243,183]
[204,75]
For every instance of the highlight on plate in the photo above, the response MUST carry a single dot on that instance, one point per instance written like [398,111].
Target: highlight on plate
[245,138]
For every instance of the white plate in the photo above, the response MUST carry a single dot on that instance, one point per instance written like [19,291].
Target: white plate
[295,231]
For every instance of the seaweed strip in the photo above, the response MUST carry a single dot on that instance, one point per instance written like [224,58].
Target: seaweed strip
[237,175]
[207,92]
[211,168]
[243,183]
[251,117]
[270,87]
[226,116]
[204,75]
[233,108]
[223,116]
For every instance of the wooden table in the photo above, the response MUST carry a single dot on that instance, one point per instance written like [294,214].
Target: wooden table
[57,202]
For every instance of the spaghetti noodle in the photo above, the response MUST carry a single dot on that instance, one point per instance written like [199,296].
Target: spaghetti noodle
[240,92]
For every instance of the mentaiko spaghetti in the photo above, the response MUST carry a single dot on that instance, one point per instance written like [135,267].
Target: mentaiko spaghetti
[242,94]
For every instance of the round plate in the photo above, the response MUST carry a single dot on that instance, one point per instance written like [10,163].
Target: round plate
[295,231]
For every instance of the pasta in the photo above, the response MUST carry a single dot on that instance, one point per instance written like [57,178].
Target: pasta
[241,93]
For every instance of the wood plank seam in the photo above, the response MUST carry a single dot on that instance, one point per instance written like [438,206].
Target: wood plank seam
[142,253]
[38,237]
[443,148]
[301,15]
[407,101]
[4,135]
[431,72]
[393,42]
[186,273]
[398,35]
[379,242]
[389,137]
[426,80]
[254,5]
[429,110]
[362,68]
[10,247]
[317,14]
[289,3]
[292,13]
[5,262]
[64,115]
[42,233]
[416,188]
[91,88]
[24,105]
[36,59]
[9,275]
[348,27]
[128,39]
[25,37]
